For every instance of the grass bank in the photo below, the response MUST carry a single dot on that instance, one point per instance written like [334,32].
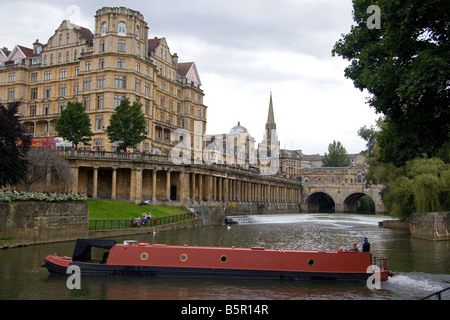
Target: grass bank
[110,209]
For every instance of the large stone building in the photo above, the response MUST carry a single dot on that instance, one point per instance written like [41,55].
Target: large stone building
[100,68]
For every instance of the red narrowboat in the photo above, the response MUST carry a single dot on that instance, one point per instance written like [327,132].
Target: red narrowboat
[132,258]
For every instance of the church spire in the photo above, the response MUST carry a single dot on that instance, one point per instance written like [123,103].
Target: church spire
[270,117]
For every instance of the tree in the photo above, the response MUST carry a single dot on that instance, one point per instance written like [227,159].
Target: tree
[127,125]
[14,145]
[404,65]
[74,124]
[43,161]
[337,156]
[424,186]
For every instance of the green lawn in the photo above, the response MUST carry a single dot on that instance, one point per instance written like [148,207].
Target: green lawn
[108,209]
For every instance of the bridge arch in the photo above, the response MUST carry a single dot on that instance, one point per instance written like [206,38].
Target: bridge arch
[359,202]
[320,202]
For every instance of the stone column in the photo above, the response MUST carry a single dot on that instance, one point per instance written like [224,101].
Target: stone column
[114,184]
[138,196]
[154,185]
[168,185]
[200,187]
[95,183]
[220,189]
[193,186]
[74,181]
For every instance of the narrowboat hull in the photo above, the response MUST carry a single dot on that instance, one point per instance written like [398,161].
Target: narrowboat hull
[216,262]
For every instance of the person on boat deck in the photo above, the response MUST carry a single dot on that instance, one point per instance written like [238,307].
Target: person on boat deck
[366,246]
[354,247]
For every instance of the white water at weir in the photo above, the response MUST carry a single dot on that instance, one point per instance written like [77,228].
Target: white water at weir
[326,218]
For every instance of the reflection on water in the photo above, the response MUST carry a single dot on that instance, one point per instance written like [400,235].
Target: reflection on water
[422,267]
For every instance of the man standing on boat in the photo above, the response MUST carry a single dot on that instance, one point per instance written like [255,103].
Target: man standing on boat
[366,245]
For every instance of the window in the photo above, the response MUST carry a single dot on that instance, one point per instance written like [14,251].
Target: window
[67,56]
[62,73]
[62,90]
[100,82]
[60,39]
[87,103]
[122,46]
[101,63]
[137,86]
[100,101]
[87,84]
[34,93]
[138,50]
[121,63]
[147,89]
[77,71]
[47,92]
[34,77]
[12,77]
[75,55]
[88,66]
[47,75]
[121,82]
[99,122]
[98,144]
[104,28]
[61,107]
[59,57]
[76,88]
[68,38]
[102,46]
[117,100]
[32,110]
[122,29]
[46,109]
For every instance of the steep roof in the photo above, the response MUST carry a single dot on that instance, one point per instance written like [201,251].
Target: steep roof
[189,71]
[152,45]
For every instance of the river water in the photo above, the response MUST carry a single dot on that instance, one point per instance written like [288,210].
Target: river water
[421,267]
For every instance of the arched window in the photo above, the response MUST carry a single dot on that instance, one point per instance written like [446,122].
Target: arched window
[122,28]
[104,28]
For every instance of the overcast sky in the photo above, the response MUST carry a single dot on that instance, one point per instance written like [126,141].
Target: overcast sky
[243,49]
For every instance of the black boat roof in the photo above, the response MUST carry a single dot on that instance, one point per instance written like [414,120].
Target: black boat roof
[82,249]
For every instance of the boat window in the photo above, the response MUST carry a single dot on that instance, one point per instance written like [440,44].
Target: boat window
[223,259]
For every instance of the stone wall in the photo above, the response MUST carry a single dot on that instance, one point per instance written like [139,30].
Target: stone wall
[41,221]
[431,225]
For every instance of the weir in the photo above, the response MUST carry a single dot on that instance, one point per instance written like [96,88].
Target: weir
[238,220]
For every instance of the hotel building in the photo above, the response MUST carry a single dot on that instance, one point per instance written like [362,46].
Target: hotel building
[100,68]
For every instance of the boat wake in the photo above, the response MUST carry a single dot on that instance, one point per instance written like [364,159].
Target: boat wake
[418,283]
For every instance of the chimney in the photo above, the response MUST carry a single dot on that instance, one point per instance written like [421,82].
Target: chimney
[37,47]
[175,60]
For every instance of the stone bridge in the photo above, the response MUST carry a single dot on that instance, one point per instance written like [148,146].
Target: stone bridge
[337,190]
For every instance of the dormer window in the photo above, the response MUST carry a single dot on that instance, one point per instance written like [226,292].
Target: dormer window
[122,29]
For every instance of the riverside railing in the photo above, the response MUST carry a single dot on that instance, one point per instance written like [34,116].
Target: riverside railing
[115,224]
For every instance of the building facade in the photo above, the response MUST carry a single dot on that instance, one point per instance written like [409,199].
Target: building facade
[100,68]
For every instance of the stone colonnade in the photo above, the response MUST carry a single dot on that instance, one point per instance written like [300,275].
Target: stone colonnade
[138,181]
